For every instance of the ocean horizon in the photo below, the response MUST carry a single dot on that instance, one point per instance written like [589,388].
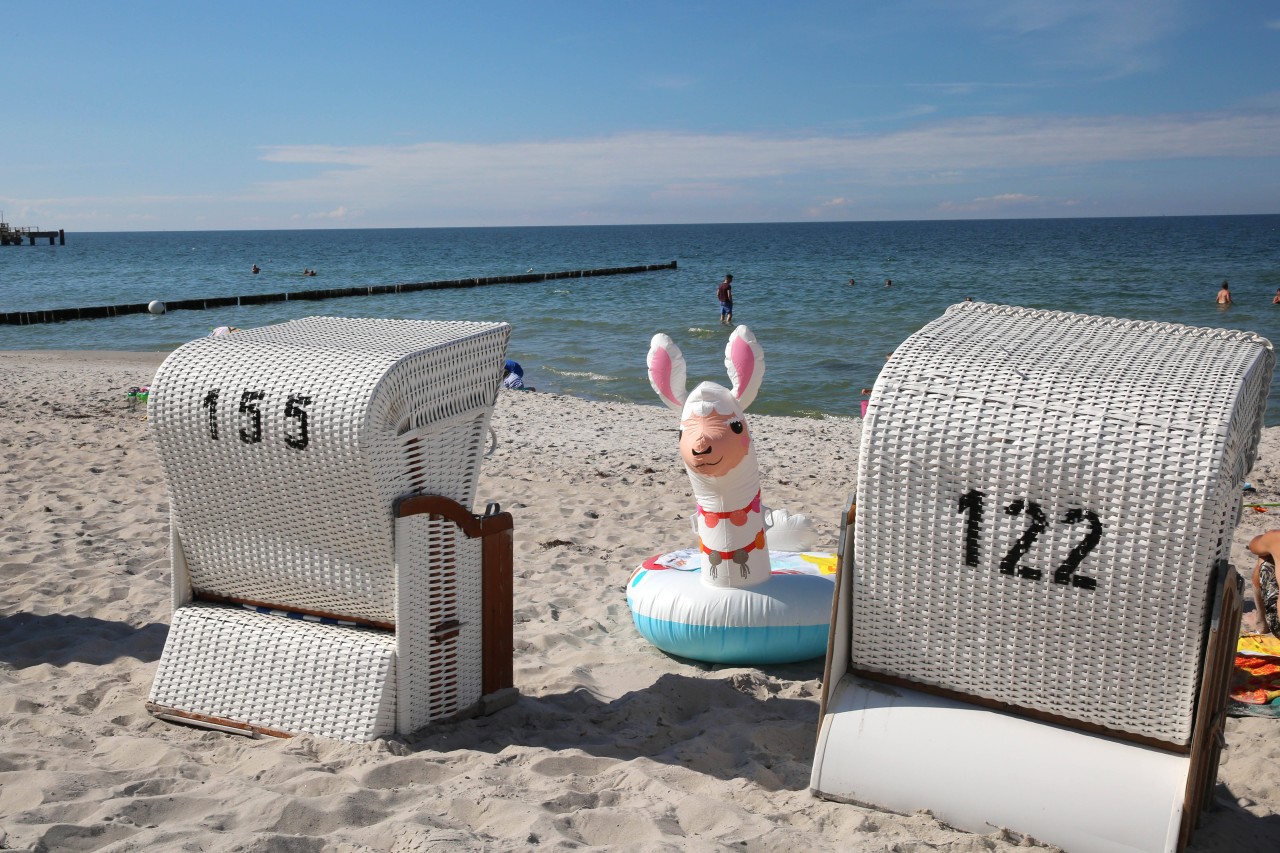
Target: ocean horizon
[824,339]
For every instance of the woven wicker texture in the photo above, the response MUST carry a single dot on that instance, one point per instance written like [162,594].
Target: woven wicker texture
[285,447]
[1041,500]
[441,670]
[278,673]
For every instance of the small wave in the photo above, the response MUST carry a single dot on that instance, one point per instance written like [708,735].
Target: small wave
[581,374]
[699,332]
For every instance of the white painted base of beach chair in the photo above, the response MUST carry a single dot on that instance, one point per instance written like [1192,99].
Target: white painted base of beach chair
[237,670]
[977,769]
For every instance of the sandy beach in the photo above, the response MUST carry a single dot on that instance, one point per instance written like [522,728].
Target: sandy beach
[612,745]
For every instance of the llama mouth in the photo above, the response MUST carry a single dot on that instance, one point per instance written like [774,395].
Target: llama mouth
[709,464]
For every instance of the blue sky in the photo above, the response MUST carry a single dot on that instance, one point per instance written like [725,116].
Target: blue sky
[171,116]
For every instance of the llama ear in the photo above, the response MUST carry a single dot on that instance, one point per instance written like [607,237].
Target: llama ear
[667,371]
[744,359]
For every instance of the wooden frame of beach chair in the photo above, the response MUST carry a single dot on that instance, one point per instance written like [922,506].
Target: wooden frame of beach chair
[1034,618]
[328,576]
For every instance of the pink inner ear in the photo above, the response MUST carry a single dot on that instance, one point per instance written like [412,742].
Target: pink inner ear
[744,364]
[660,373]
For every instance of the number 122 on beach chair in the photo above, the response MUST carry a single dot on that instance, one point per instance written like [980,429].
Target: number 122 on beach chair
[329,576]
[1034,616]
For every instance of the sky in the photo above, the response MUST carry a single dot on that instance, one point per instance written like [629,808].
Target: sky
[150,116]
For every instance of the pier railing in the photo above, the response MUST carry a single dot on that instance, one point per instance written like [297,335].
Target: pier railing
[13,236]
[58,315]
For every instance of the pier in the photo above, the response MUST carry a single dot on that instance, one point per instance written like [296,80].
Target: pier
[58,315]
[11,235]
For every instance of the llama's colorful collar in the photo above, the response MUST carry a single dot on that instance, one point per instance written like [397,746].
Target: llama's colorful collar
[737,517]
[754,545]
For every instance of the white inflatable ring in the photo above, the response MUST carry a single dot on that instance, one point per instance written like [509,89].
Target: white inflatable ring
[784,619]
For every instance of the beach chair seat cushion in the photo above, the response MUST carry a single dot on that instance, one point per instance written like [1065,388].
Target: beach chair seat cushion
[278,675]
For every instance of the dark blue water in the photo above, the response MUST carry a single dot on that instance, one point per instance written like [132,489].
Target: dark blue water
[823,339]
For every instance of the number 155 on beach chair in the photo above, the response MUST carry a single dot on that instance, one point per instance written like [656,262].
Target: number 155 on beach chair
[1035,618]
[328,574]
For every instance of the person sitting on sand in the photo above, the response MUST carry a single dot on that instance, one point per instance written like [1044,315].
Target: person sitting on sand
[513,376]
[1224,295]
[1266,595]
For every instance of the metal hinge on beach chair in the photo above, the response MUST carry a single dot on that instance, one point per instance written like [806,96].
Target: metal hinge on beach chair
[328,577]
[1035,618]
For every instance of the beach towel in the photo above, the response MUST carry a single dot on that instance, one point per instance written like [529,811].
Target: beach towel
[1255,684]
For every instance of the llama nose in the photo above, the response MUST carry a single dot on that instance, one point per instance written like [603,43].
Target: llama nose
[697,452]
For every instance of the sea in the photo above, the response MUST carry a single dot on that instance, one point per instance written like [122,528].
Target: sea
[816,295]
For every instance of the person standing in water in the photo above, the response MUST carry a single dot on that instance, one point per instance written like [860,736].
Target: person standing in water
[1224,295]
[725,294]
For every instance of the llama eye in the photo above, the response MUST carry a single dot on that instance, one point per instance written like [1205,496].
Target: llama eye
[736,426]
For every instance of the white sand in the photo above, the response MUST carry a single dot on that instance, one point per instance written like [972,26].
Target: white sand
[612,744]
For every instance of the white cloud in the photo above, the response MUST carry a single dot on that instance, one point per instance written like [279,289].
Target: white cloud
[339,212]
[1010,198]
[1115,36]
[583,171]
[834,208]
[704,177]
[992,203]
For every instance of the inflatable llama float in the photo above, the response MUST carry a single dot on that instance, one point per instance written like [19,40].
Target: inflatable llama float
[749,593]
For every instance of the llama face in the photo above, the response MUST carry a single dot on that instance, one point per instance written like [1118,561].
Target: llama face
[713,441]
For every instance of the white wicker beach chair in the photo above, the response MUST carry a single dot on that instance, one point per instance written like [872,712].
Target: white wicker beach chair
[328,575]
[1035,619]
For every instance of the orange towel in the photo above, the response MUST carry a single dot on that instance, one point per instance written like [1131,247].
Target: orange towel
[1256,680]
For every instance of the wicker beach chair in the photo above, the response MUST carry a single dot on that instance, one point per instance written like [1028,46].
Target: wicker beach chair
[328,574]
[1035,617]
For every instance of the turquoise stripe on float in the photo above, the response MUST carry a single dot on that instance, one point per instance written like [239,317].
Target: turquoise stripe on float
[747,646]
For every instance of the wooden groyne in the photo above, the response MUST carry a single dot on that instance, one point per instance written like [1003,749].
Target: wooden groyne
[13,236]
[59,315]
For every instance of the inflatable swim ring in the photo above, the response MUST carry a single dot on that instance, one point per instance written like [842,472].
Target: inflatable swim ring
[784,619]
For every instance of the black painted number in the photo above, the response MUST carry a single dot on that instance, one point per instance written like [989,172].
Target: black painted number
[252,434]
[1036,524]
[297,419]
[971,506]
[296,408]
[211,404]
[1066,573]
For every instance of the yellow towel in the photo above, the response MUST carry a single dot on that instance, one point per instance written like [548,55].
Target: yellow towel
[1259,644]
